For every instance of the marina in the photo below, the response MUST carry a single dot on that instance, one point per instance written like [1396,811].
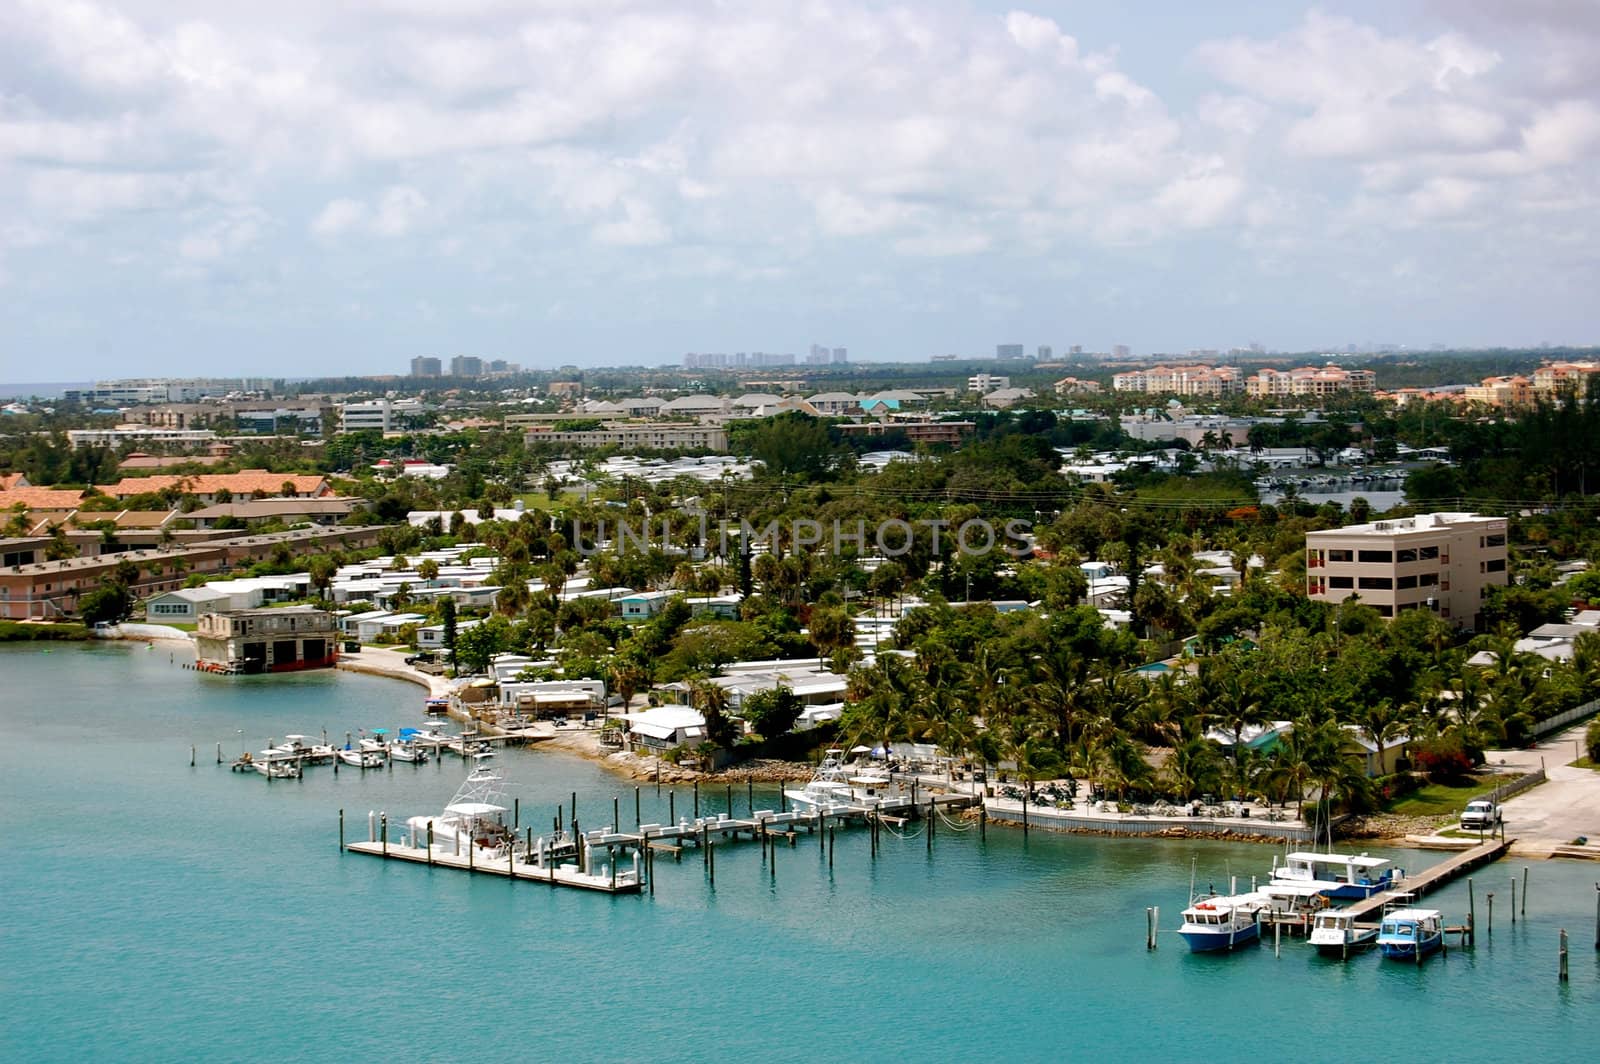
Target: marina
[1011,920]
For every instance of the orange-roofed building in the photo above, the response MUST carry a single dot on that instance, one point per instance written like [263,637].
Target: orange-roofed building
[12,480]
[244,486]
[41,498]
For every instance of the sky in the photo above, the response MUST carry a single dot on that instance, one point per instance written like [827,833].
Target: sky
[302,188]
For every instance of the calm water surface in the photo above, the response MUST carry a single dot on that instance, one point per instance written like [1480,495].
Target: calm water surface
[155,911]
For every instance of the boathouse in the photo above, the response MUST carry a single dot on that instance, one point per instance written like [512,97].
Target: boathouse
[266,640]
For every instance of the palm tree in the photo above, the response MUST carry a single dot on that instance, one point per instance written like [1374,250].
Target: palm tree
[1193,768]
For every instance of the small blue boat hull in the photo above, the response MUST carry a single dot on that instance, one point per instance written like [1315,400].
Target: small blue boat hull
[1407,951]
[1217,941]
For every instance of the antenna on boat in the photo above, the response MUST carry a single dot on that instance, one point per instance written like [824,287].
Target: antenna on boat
[1192,861]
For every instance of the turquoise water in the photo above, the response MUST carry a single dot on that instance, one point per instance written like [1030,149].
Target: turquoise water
[154,910]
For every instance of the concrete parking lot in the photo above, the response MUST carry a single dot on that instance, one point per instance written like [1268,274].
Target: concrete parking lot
[1557,812]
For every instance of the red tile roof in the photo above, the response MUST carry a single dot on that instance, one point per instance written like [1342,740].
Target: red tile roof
[41,498]
[9,481]
[245,482]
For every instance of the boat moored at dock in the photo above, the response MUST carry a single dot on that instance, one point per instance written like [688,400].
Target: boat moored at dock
[1222,921]
[1344,877]
[1335,934]
[361,758]
[1411,934]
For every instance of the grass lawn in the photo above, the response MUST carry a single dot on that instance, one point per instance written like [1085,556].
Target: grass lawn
[1584,762]
[1437,799]
[538,500]
[16,631]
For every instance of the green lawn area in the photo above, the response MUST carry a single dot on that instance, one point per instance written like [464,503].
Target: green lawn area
[16,631]
[538,500]
[1584,762]
[1438,799]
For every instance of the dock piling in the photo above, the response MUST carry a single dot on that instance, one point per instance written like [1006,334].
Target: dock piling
[1562,976]
[711,864]
[672,807]
[385,819]
[616,815]
[574,816]
[219,753]
[341,850]
[430,842]
[191,756]
[1472,914]
[730,800]
[516,814]
[1597,916]
[1491,914]
[750,796]
[1524,890]
[1513,901]
[830,847]
[637,819]
[697,799]
[1277,939]
[1149,928]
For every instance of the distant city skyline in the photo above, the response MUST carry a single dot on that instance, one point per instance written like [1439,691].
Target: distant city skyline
[199,189]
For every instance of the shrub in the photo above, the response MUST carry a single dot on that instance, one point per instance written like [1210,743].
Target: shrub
[1591,740]
[1443,760]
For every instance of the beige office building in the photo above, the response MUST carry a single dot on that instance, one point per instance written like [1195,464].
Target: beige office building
[1444,561]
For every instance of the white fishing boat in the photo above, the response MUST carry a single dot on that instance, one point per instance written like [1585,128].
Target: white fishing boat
[829,788]
[1223,921]
[302,748]
[275,765]
[361,758]
[1335,934]
[407,748]
[474,819]
[1345,877]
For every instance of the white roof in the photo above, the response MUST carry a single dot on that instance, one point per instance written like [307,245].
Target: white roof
[474,808]
[1360,861]
[662,721]
[1412,914]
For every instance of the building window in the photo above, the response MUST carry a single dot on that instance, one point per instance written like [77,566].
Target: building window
[1407,555]
[1375,583]
[1342,582]
[1405,583]
[1497,540]
[1339,556]
[1428,580]
[1427,554]
[1375,556]
[1497,565]
[1384,609]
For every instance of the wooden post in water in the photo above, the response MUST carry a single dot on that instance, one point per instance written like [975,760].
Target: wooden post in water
[430,843]
[637,819]
[516,813]
[383,820]
[672,807]
[750,796]
[711,865]
[697,799]
[983,820]
[1149,928]
[1513,901]
[1562,976]
[1491,914]
[191,756]
[219,754]
[1277,939]
[341,850]
[650,869]
[574,817]
[730,801]
[928,829]
[1597,916]
[1472,914]
[616,816]
[830,847]
[1025,789]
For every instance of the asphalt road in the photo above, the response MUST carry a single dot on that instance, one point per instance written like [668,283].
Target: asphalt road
[1557,812]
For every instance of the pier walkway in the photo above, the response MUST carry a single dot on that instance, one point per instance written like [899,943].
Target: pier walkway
[1431,879]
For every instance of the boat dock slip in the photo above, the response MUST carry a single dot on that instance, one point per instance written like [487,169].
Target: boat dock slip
[608,860]
[1431,879]
[610,881]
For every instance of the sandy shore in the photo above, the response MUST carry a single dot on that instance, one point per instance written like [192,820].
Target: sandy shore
[392,663]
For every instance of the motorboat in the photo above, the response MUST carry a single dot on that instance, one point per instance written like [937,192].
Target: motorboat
[472,821]
[1411,934]
[1223,921]
[407,748]
[275,765]
[437,706]
[361,758]
[1343,877]
[1335,934]
[830,787]
[303,749]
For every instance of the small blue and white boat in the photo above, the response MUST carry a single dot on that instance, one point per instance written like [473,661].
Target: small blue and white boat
[1343,877]
[1222,922]
[1411,934]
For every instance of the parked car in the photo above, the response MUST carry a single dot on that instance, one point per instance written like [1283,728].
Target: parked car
[1481,815]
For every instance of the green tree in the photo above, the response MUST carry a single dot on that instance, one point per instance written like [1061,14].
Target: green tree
[773,712]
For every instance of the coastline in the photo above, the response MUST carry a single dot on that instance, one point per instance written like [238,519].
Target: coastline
[392,663]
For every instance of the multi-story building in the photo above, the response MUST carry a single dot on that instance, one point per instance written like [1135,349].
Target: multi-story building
[1005,351]
[423,366]
[1120,351]
[655,436]
[984,383]
[1074,386]
[466,366]
[1501,392]
[1046,353]
[1309,380]
[385,415]
[1445,562]
[840,355]
[1181,380]
[1554,379]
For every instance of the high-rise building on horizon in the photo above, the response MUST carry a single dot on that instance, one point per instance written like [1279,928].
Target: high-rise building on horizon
[466,366]
[841,354]
[1004,351]
[423,366]
[1120,351]
[1046,353]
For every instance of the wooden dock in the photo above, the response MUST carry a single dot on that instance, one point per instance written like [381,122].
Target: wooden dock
[600,861]
[1431,879]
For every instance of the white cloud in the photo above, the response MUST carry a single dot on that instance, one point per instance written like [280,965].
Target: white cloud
[394,214]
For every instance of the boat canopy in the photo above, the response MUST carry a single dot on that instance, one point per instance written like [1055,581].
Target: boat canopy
[1359,861]
[474,808]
